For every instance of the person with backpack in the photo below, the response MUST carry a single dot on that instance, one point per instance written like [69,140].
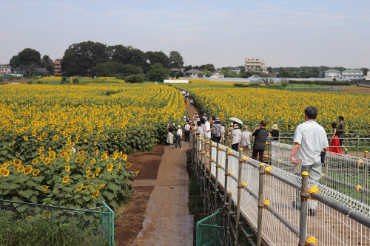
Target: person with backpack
[216,130]
[260,133]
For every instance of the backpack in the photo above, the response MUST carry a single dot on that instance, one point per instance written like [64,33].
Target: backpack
[217,131]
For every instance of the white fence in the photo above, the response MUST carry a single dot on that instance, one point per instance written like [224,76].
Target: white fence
[339,219]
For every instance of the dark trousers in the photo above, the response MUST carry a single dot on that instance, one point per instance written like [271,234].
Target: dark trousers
[235,147]
[259,152]
[187,136]
[216,139]
[341,141]
[178,142]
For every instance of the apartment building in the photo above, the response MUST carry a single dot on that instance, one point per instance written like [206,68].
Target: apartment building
[58,67]
[255,64]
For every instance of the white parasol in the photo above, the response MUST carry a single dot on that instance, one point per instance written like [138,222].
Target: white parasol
[236,120]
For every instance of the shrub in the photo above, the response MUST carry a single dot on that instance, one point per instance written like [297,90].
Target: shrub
[38,82]
[135,78]
[29,82]
[75,80]
[320,82]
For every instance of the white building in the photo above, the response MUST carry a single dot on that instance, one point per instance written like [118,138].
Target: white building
[255,64]
[194,73]
[332,74]
[4,69]
[218,74]
[352,74]
[368,76]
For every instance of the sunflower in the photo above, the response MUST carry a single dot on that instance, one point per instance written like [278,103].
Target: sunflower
[29,217]
[69,152]
[46,214]
[103,157]
[20,169]
[47,161]
[88,169]
[63,154]
[2,171]
[6,174]
[67,157]
[85,140]
[42,157]
[35,161]
[124,157]
[93,161]
[119,166]
[95,194]
[115,156]
[128,164]
[36,172]
[52,157]
[79,159]
[90,176]
[17,162]
[44,135]
[28,170]
[81,152]
[82,164]
[101,186]
[79,188]
[97,171]
[25,138]
[45,187]
[136,173]
[65,179]
[4,166]
[39,152]
[42,148]
[97,151]
[67,168]
[33,133]
[38,140]
[110,167]
[95,143]
[88,188]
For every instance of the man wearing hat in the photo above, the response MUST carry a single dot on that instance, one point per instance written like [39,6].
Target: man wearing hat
[178,137]
[274,133]
[216,130]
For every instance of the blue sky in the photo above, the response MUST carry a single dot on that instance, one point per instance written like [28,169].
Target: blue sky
[287,33]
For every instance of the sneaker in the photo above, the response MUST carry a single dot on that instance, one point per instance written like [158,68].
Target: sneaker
[180,148]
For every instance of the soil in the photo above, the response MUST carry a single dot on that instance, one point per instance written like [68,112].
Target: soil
[16,80]
[146,162]
[129,219]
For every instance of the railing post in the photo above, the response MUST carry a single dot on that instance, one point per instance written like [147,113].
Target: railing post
[204,175]
[364,182]
[217,167]
[326,170]
[358,144]
[303,212]
[260,204]
[226,174]
[239,195]
[228,219]
[268,153]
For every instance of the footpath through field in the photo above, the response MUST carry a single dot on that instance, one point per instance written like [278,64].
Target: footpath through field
[167,219]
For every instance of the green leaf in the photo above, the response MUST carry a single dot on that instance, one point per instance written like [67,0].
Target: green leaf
[26,193]
[87,198]
[108,195]
[12,186]
[4,152]
[112,186]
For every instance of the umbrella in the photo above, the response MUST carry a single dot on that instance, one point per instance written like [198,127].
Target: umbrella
[236,120]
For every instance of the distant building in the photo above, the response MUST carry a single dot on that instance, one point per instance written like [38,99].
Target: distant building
[41,70]
[332,74]
[21,71]
[352,74]
[58,67]
[194,73]
[255,64]
[368,76]
[236,71]
[218,74]
[5,69]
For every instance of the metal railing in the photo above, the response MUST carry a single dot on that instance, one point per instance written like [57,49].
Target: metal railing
[35,224]
[282,208]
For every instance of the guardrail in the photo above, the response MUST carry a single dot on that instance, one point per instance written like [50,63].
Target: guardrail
[280,207]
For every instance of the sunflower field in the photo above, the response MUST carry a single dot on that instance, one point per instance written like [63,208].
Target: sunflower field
[284,108]
[67,145]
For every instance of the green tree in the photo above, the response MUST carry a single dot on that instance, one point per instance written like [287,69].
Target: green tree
[14,62]
[209,67]
[47,63]
[207,74]
[364,70]
[269,69]
[112,69]
[79,58]
[155,57]
[176,60]
[28,57]
[188,67]
[157,73]
[135,78]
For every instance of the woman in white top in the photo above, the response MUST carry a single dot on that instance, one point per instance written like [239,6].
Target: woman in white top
[245,142]
[236,135]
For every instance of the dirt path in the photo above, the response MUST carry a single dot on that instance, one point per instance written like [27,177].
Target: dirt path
[167,219]
[191,109]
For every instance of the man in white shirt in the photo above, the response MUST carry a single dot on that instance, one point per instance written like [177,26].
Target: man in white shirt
[187,132]
[178,137]
[207,128]
[309,140]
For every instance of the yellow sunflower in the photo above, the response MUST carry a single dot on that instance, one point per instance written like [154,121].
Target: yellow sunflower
[110,167]
[90,176]
[36,172]
[95,194]
[17,162]
[6,174]
[97,171]
[25,138]
[67,168]
[20,168]
[101,186]
[28,170]
[124,157]
[88,169]
[136,173]
[79,188]
[67,157]
[119,166]
[128,164]
[93,161]
[88,188]
[35,161]
[65,179]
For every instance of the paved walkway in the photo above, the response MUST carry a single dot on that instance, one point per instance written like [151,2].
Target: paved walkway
[167,219]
